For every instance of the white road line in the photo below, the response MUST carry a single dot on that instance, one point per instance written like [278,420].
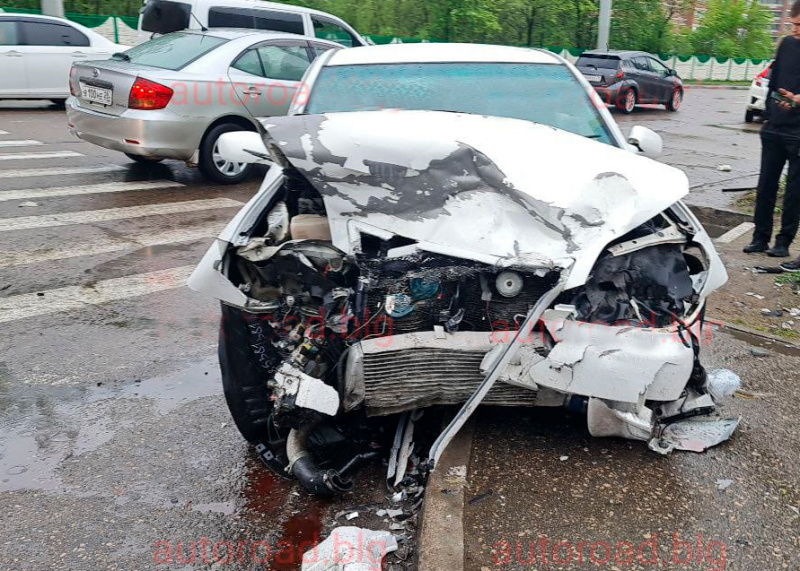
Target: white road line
[28,193]
[57,171]
[28,305]
[52,155]
[735,233]
[24,258]
[92,216]
[25,143]
[4,133]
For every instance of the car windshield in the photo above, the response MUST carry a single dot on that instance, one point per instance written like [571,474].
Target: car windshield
[173,51]
[598,62]
[543,93]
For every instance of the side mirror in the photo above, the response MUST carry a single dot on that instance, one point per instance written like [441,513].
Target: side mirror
[673,73]
[648,142]
[244,147]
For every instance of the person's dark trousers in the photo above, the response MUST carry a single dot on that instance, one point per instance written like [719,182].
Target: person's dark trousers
[775,151]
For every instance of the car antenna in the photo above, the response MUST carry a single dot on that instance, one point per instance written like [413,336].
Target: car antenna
[196,19]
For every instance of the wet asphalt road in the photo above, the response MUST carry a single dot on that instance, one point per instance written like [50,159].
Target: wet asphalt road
[113,431]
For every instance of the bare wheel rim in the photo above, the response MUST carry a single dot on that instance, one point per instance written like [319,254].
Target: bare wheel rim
[630,101]
[676,99]
[228,168]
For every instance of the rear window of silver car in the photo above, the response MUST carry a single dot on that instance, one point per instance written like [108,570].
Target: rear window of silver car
[543,93]
[173,51]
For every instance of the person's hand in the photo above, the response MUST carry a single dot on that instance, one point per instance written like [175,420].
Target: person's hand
[789,95]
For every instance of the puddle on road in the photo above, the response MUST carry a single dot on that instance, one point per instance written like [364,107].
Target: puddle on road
[41,426]
[758,341]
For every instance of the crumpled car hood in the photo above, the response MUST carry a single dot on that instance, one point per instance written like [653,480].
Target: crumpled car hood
[496,190]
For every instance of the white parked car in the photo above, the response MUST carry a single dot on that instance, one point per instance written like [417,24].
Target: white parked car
[757,97]
[448,224]
[37,52]
[165,16]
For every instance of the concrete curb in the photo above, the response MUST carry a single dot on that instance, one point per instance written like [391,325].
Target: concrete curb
[441,538]
[766,336]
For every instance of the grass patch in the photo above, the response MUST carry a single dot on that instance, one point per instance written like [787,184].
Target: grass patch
[721,82]
[747,203]
[792,278]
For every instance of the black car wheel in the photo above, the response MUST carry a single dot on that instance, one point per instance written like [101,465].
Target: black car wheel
[677,98]
[213,165]
[627,102]
[749,116]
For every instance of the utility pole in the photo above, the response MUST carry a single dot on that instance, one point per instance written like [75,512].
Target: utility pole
[53,8]
[603,25]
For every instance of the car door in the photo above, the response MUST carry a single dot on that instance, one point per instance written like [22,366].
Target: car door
[266,76]
[50,47]
[13,79]
[662,79]
[647,88]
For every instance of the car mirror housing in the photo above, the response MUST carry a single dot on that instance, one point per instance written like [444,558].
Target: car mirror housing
[647,141]
[243,147]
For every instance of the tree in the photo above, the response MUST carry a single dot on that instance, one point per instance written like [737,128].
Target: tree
[734,28]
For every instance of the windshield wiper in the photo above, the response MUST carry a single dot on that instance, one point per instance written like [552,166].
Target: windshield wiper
[121,55]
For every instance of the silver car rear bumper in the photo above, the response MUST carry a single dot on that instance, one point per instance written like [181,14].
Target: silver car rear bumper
[157,133]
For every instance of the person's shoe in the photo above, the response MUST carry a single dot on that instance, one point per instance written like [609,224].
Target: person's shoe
[778,252]
[754,247]
[792,266]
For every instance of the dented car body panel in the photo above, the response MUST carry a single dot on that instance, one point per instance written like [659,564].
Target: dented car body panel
[394,261]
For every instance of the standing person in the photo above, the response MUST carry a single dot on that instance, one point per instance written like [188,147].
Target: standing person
[780,142]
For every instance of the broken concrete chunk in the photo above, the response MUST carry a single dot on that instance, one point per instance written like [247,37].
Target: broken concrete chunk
[350,549]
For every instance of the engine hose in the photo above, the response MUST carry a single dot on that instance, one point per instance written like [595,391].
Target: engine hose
[303,467]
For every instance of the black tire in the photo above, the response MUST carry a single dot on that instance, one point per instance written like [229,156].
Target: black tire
[60,103]
[244,376]
[143,159]
[627,101]
[214,168]
[675,103]
[749,116]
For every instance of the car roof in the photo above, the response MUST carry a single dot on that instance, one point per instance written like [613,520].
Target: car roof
[440,52]
[262,5]
[620,53]
[20,16]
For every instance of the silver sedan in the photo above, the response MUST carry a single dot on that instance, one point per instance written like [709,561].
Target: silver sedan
[173,97]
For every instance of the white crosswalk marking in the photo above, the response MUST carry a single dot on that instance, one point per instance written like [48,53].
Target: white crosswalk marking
[112,244]
[45,155]
[28,193]
[28,305]
[4,133]
[91,216]
[26,143]
[57,171]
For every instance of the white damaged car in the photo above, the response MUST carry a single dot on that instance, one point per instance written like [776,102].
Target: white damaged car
[455,225]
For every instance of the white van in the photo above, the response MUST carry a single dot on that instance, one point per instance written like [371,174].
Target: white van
[165,16]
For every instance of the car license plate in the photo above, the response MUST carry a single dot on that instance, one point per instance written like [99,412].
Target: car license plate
[96,94]
[595,78]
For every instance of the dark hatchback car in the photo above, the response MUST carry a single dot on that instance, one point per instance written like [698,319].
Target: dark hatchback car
[626,79]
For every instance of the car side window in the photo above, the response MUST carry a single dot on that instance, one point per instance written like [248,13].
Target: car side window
[249,62]
[659,67]
[253,18]
[52,34]
[8,33]
[641,64]
[319,49]
[288,62]
[328,30]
